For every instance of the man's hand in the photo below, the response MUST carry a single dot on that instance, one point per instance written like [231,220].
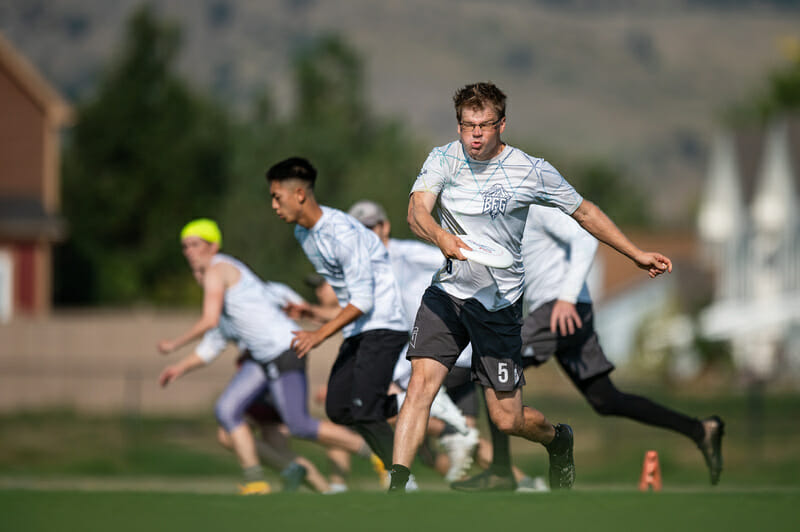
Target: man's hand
[166,346]
[451,245]
[654,263]
[169,374]
[564,318]
[305,341]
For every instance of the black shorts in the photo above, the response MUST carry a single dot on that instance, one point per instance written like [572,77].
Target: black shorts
[579,354]
[446,324]
[462,390]
[361,375]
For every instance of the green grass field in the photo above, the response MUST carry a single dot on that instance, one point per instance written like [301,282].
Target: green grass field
[578,510]
[62,471]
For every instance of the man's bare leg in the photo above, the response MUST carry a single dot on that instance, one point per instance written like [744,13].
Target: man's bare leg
[511,417]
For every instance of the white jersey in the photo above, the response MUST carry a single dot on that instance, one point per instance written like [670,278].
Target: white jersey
[356,264]
[490,199]
[414,264]
[252,314]
[557,253]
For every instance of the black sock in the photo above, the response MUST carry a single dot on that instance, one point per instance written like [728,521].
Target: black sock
[557,441]
[399,477]
[608,401]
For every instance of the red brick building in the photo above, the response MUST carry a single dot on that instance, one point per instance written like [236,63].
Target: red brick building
[31,116]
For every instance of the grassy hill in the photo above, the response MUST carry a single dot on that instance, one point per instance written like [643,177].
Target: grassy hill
[636,84]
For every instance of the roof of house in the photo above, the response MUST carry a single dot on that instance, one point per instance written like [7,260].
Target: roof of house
[55,108]
[750,145]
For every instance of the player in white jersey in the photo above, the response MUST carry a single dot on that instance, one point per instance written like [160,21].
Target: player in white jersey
[558,255]
[238,306]
[414,264]
[355,263]
[484,187]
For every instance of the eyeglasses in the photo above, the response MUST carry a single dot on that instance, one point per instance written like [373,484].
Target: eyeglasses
[468,127]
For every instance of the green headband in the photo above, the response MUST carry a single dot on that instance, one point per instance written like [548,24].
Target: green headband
[204,228]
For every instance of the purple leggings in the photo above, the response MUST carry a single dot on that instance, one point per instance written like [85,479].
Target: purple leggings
[288,393]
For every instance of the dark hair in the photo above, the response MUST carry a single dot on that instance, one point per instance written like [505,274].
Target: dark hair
[293,168]
[480,95]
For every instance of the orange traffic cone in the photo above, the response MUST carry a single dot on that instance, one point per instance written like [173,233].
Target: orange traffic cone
[651,472]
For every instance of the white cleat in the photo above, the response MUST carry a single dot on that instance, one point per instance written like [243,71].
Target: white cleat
[411,484]
[337,488]
[459,448]
[532,485]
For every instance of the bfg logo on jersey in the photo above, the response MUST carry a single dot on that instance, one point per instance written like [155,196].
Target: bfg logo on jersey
[495,201]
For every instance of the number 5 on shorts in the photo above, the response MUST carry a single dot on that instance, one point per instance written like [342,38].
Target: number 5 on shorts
[502,372]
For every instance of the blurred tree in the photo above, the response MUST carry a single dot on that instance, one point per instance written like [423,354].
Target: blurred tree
[357,156]
[608,187]
[602,182]
[781,94]
[147,154]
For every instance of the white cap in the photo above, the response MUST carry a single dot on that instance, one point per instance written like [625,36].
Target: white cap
[368,213]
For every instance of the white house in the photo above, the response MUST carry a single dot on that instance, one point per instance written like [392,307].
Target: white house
[750,233]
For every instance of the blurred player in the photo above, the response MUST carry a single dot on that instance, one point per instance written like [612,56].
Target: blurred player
[370,316]
[273,447]
[484,187]
[238,306]
[557,254]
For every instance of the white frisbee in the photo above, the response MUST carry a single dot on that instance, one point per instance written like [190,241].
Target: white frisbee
[487,252]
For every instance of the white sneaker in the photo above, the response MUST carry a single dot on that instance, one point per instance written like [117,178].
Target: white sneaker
[532,485]
[411,484]
[336,488]
[459,448]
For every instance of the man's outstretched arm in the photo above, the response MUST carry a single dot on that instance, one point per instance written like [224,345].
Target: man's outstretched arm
[598,224]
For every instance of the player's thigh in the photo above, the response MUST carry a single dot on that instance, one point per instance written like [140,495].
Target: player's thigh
[496,345]
[584,361]
[338,398]
[376,358]
[438,332]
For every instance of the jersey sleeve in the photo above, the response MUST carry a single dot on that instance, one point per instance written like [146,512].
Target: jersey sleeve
[582,248]
[212,345]
[424,256]
[433,174]
[555,191]
[355,260]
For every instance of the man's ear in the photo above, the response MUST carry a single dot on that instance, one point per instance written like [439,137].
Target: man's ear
[301,194]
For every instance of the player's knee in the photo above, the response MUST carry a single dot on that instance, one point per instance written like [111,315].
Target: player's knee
[228,416]
[602,405]
[304,428]
[338,413]
[507,422]
[421,391]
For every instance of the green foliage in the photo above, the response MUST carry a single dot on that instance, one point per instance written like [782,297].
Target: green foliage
[781,95]
[608,187]
[146,155]
[604,184]
[357,155]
